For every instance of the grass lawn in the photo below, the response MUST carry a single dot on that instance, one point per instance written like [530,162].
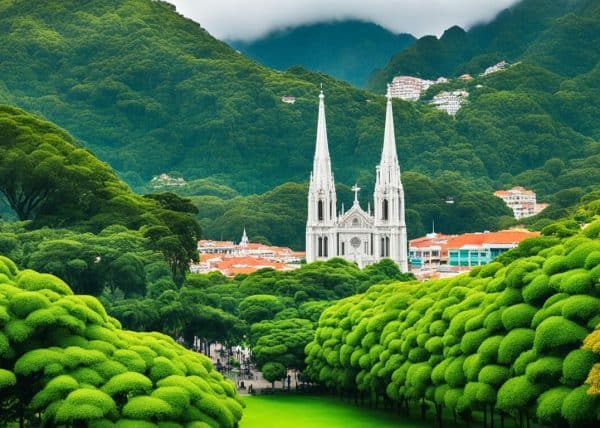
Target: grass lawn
[298,411]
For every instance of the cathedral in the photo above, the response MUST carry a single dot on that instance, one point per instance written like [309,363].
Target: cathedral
[357,235]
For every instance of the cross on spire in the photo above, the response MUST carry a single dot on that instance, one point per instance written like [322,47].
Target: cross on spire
[355,189]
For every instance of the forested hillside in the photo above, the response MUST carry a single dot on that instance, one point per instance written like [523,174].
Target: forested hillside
[561,35]
[150,91]
[346,50]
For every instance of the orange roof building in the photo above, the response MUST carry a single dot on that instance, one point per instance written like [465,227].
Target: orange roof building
[457,251]
[246,257]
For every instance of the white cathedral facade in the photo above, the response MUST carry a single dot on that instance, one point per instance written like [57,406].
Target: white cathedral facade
[357,235]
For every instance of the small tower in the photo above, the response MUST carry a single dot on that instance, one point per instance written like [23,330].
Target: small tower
[322,217]
[244,241]
[390,221]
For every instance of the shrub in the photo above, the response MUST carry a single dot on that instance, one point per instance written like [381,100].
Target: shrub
[537,290]
[580,308]
[472,340]
[579,406]
[84,405]
[514,343]
[147,408]
[454,374]
[488,350]
[576,283]
[555,264]
[519,315]
[557,332]
[523,360]
[493,374]
[516,393]
[592,260]
[549,405]
[546,370]
[577,365]
[126,383]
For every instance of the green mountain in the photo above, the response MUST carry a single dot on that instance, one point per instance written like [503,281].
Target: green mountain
[150,91]
[346,50]
[561,35]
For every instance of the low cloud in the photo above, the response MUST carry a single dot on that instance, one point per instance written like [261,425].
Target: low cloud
[251,19]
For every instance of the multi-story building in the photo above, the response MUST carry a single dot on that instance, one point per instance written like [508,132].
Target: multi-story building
[450,102]
[521,201]
[453,253]
[409,88]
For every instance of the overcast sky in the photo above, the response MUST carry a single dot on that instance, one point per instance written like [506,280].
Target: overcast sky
[250,19]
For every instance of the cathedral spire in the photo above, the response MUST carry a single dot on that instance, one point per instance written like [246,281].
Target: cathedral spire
[388,155]
[322,164]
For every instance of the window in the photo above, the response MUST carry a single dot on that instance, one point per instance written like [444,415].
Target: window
[325,247]
[320,210]
[382,247]
[320,253]
[384,210]
[387,247]
[343,248]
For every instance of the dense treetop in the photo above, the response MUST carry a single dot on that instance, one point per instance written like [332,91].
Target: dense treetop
[65,362]
[505,336]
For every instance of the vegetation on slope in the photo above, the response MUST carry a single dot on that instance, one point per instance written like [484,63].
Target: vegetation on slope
[48,179]
[151,92]
[505,337]
[557,34]
[65,362]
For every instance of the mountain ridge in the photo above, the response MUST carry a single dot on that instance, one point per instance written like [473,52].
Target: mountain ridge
[344,49]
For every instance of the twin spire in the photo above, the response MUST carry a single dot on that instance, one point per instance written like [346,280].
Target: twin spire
[321,173]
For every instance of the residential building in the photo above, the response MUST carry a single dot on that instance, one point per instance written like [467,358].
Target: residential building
[521,201]
[436,255]
[450,102]
[409,88]
[495,68]
[357,235]
[246,257]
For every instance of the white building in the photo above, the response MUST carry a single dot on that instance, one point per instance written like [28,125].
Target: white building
[356,235]
[521,201]
[495,68]
[450,102]
[409,88]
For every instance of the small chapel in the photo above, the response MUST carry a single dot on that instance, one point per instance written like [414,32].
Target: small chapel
[357,235]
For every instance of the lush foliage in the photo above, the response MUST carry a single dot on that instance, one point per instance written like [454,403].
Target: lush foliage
[65,362]
[478,341]
[274,312]
[49,180]
[560,35]
[200,109]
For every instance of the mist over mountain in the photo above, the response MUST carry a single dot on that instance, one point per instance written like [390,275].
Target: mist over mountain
[346,50]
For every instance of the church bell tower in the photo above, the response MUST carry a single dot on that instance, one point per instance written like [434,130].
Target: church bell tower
[322,218]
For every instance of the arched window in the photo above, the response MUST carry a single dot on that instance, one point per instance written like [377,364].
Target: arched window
[384,209]
[320,210]
[320,252]
[382,252]
[387,247]
[325,247]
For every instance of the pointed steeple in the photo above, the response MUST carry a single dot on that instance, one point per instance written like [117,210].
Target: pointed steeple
[389,157]
[321,172]
[244,241]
